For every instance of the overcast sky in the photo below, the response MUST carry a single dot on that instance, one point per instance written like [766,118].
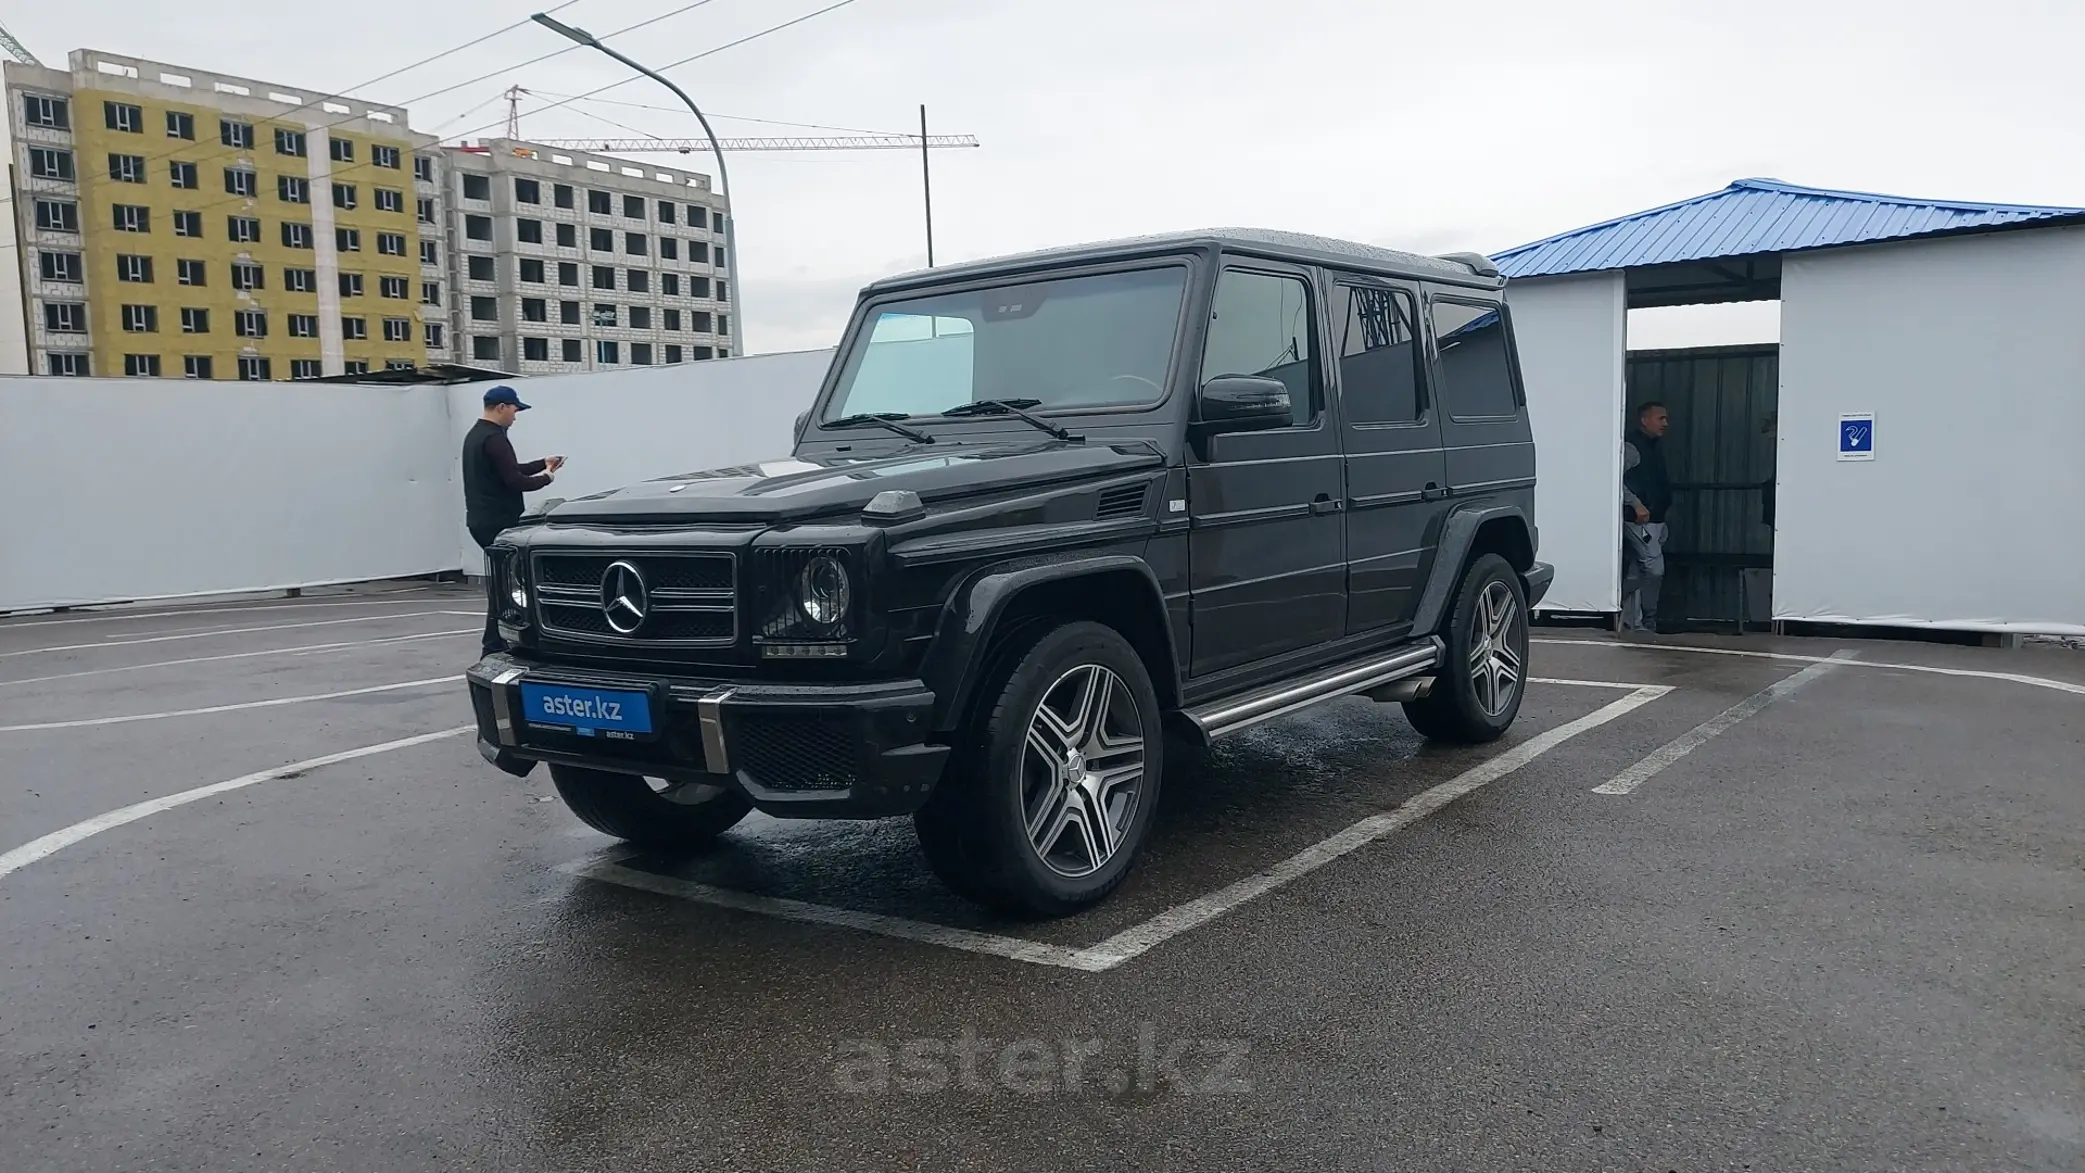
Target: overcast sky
[1429,127]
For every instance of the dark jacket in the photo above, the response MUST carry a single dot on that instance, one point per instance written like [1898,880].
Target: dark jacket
[1649,480]
[493,481]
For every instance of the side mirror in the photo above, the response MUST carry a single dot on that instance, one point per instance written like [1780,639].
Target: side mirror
[1242,403]
[803,418]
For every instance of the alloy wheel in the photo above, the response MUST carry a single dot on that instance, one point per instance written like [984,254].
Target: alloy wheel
[1495,655]
[1082,770]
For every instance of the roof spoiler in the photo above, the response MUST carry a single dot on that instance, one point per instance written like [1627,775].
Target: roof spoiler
[1479,263]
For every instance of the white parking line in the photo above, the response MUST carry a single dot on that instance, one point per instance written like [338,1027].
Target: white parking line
[270,703]
[2014,677]
[300,650]
[386,599]
[206,633]
[1143,937]
[1672,751]
[59,840]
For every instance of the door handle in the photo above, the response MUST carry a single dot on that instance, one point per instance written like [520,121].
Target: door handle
[1433,492]
[1323,504]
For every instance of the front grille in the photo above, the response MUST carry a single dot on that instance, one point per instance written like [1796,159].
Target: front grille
[783,752]
[692,598]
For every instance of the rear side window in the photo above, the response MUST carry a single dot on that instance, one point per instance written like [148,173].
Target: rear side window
[1260,325]
[1378,355]
[1474,368]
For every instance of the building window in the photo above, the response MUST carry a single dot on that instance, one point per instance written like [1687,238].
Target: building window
[65,317]
[479,268]
[672,321]
[289,142]
[195,320]
[355,366]
[250,324]
[255,369]
[535,309]
[485,309]
[141,366]
[247,230]
[297,236]
[641,354]
[344,196]
[477,187]
[354,329]
[561,195]
[665,211]
[390,244]
[670,284]
[385,157]
[574,351]
[697,218]
[248,276]
[183,176]
[351,285]
[485,348]
[634,207]
[607,353]
[239,181]
[434,335]
[132,218]
[43,110]
[430,253]
[532,271]
[235,134]
[60,267]
[301,280]
[673,354]
[399,364]
[698,252]
[50,163]
[66,366]
[601,240]
[189,273]
[698,322]
[197,366]
[124,117]
[304,325]
[347,240]
[57,216]
[604,277]
[343,150]
[640,281]
[181,126]
[640,319]
[568,236]
[669,249]
[189,224]
[426,209]
[698,287]
[398,329]
[388,200]
[423,168]
[395,288]
[477,227]
[527,191]
[528,231]
[723,291]
[141,319]
[717,226]
[724,331]
[600,203]
[698,353]
[306,368]
[430,293]
[637,244]
[535,349]
[568,312]
[604,315]
[567,273]
[135,269]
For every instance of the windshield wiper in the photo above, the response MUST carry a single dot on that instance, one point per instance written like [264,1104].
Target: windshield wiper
[1012,407]
[885,419]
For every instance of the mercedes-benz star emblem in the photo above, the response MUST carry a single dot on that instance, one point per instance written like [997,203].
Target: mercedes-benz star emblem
[624,599]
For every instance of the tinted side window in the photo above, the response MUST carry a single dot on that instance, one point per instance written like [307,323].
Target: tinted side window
[1475,370]
[1378,355]
[1261,325]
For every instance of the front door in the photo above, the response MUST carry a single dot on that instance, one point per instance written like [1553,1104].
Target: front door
[1266,541]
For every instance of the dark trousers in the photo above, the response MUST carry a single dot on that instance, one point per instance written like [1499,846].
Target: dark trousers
[483,535]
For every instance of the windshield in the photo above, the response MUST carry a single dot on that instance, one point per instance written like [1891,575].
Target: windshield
[1099,341]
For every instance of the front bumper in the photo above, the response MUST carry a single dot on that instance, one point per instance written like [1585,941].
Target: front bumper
[802,751]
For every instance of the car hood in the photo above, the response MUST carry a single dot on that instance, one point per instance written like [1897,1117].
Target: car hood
[796,488]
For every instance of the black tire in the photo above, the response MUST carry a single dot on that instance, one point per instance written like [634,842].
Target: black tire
[626,806]
[1457,710]
[974,829]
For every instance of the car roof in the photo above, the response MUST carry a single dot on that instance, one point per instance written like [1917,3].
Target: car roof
[1462,269]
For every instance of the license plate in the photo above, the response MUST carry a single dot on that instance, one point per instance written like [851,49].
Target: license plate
[588,712]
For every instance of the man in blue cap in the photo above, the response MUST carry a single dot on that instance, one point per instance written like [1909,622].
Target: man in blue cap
[493,482]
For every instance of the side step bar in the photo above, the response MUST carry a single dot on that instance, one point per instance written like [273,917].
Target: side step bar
[1222,718]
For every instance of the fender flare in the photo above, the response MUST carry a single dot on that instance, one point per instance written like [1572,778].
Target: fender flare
[1458,534]
[972,613]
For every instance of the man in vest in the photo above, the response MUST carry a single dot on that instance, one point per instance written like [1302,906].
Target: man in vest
[493,482]
[1644,529]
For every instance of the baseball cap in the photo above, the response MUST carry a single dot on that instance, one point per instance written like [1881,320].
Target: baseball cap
[504,394]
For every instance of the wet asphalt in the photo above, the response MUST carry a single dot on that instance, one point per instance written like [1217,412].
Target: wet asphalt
[1848,933]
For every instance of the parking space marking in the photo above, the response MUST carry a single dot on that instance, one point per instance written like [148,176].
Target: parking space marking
[57,841]
[1672,751]
[382,599]
[301,650]
[206,633]
[270,703]
[1973,673]
[1147,935]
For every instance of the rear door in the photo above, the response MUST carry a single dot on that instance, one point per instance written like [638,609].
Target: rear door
[1395,478]
[1266,539]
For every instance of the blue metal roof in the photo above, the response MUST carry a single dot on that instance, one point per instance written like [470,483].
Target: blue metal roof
[1753,217]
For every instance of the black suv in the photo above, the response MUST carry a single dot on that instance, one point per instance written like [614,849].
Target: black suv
[1048,515]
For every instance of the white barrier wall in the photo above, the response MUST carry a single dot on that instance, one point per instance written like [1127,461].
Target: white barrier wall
[1570,332]
[1971,355]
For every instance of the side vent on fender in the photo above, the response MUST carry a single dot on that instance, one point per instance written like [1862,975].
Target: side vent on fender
[1121,501]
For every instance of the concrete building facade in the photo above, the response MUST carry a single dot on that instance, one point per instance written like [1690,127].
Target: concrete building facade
[172,223]
[566,261]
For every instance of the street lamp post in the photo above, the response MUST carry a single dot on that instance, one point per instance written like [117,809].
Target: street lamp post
[582,37]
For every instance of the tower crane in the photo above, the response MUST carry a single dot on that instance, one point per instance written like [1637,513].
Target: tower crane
[16,49]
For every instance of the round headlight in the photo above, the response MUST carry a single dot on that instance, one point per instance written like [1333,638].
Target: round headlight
[822,591]
[518,595]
